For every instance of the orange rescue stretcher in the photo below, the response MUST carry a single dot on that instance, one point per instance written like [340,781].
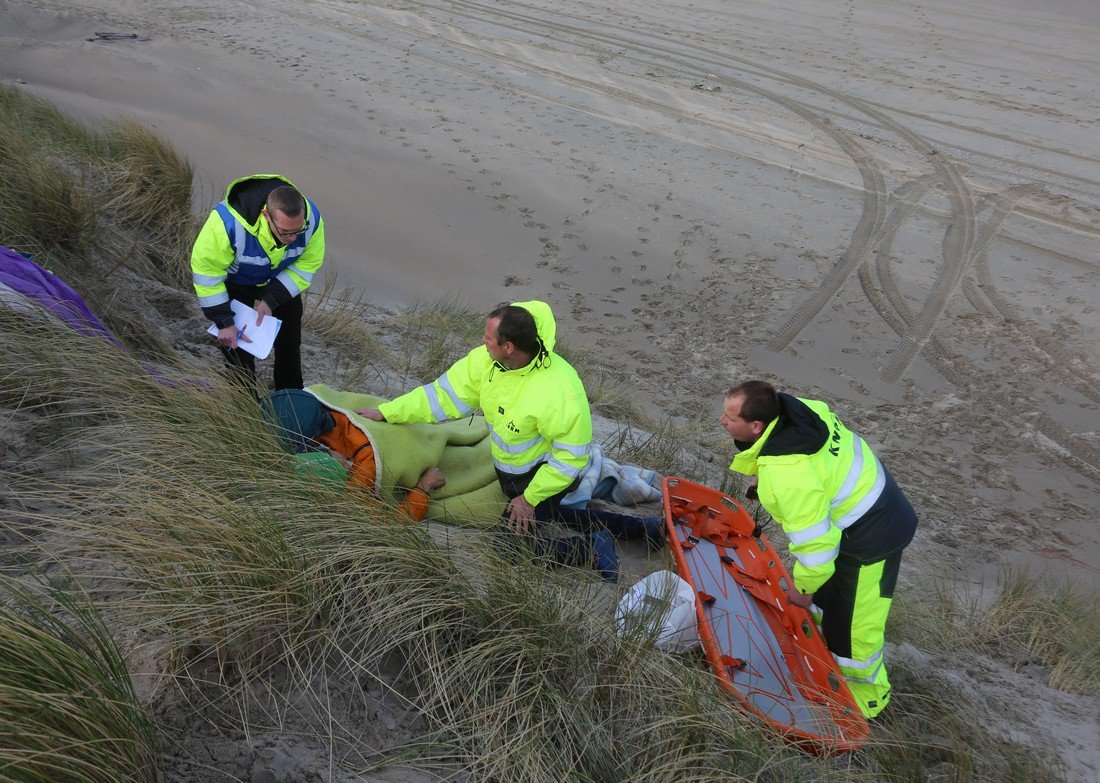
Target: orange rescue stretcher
[766,652]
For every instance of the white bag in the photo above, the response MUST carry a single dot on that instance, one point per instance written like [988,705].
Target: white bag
[662,605]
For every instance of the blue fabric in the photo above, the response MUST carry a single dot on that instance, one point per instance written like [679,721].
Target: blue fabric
[605,479]
[258,274]
[297,418]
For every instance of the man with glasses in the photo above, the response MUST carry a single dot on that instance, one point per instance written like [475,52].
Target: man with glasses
[261,245]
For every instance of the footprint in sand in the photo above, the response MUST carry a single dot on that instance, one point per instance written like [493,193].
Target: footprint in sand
[579,303]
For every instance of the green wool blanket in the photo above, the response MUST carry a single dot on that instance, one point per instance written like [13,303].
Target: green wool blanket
[404,451]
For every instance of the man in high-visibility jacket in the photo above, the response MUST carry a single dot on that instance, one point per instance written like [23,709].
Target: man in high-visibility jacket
[540,429]
[261,245]
[845,517]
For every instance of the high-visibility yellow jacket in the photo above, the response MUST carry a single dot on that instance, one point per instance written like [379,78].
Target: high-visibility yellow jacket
[817,478]
[236,244]
[538,415]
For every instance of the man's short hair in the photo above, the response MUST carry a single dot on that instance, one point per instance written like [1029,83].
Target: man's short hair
[517,326]
[759,400]
[287,200]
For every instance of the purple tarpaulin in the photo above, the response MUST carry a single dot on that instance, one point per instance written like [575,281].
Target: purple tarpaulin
[22,276]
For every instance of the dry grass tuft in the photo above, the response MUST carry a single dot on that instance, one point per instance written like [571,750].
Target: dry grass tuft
[86,203]
[1024,620]
[924,736]
[433,335]
[149,190]
[47,208]
[339,316]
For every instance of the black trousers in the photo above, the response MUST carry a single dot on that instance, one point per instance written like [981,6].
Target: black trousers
[571,550]
[288,342]
[556,549]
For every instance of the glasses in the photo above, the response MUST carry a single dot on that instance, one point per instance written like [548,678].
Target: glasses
[283,232]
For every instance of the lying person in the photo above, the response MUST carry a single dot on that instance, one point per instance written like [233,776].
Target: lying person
[347,440]
[303,423]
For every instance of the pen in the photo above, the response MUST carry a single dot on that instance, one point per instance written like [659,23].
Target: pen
[241,331]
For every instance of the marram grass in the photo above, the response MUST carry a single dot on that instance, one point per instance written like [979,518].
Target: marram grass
[202,529]
[1022,619]
[86,201]
[68,712]
[200,526]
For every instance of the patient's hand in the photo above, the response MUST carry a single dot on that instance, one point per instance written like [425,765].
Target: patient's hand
[432,478]
[371,413]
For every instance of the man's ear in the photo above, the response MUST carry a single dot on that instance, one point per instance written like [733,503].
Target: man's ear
[758,428]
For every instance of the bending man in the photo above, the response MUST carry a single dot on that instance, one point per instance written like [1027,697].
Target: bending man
[262,246]
[846,519]
[302,422]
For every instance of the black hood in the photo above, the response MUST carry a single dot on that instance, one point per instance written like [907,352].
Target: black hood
[249,196]
[798,431]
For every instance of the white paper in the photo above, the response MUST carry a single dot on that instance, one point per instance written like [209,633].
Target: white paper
[262,336]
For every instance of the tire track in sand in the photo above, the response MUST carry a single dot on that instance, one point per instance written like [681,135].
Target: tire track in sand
[961,372]
[960,232]
[985,297]
[959,237]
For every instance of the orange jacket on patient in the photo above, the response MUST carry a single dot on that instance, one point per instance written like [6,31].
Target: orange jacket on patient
[350,441]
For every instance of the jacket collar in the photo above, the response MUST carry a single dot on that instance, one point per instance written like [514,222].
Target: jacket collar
[796,430]
[745,461]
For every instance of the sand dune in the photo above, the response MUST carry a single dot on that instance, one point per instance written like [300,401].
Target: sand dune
[892,205]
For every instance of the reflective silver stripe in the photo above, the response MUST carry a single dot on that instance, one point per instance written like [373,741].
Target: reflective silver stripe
[817,558]
[576,451]
[216,299]
[444,382]
[506,467]
[870,678]
[852,478]
[307,276]
[310,228]
[854,664]
[863,506]
[816,530]
[568,470]
[207,280]
[515,448]
[289,283]
[433,402]
[241,242]
[293,252]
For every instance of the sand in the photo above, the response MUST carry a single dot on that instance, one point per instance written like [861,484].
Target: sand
[891,206]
